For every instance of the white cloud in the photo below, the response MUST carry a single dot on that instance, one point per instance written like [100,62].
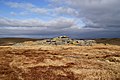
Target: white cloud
[19,14]
[57,23]
[66,11]
[27,6]
[56,11]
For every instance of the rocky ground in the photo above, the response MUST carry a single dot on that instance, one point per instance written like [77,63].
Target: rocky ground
[98,62]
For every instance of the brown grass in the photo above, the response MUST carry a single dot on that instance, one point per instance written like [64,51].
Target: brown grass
[97,62]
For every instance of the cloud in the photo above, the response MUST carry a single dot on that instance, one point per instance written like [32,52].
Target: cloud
[100,13]
[73,33]
[66,11]
[34,27]
[57,23]
[28,6]
[19,14]
[54,11]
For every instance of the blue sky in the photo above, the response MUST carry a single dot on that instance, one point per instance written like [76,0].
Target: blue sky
[50,18]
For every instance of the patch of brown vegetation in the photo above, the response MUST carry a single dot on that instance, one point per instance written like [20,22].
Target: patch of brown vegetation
[60,63]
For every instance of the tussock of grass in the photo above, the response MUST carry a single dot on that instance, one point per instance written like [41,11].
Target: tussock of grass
[97,62]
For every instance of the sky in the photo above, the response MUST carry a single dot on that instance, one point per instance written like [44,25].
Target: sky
[51,18]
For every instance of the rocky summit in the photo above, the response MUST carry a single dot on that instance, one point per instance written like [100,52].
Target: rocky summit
[61,40]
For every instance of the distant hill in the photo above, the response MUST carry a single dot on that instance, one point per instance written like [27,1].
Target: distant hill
[113,41]
[11,41]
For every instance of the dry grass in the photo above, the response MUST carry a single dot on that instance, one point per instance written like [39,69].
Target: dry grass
[97,62]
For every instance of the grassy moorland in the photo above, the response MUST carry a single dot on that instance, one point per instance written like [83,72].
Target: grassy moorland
[99,62]
[11,41]
[112,41]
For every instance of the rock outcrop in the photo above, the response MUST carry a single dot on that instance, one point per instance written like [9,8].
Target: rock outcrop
[61,40]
